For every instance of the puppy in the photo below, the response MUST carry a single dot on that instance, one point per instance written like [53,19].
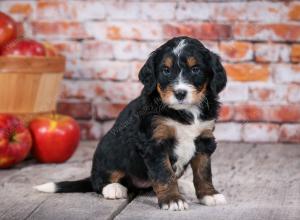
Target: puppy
[169,126]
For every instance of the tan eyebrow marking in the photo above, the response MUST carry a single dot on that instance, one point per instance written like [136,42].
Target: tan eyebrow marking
[168,62]
[191,61]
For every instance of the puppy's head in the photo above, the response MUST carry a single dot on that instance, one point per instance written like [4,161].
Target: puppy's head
[182,71]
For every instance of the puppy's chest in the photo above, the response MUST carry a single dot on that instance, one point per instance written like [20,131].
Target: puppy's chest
[185,136]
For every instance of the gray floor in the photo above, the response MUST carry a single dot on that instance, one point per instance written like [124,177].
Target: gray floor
[260,181]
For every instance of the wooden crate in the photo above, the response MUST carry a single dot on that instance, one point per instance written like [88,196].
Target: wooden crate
[30,85]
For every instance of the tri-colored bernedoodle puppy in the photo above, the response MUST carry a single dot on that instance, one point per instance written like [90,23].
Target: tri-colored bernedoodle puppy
[169,126]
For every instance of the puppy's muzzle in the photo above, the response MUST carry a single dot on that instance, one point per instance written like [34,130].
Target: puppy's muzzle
[180,94]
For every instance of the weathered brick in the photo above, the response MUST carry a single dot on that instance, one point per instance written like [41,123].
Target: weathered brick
[59,29]
[268,11]
[107,110]
[295,53]
[294,11]
[275,31]
[226,113]
[290,133]
[124,30]
[286,73]
[228,131]
[294,93]
[70,49]
[94,50]
[157,10]
[103,69]
[130,50]
[135,69]
[271,93]
[88,10]
[90,130]
[120,92]
[236,51]
[260,132]
[107,126]
[203,31]
[271,52]
[234,92]
[54,10]
[19,10]
[76,109]
[194,11]
[122,10]
[247,71]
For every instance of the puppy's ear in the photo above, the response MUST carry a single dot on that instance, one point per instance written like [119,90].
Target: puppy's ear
[147,74]
[219,78]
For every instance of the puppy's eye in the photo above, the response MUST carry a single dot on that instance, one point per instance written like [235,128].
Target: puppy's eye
[166,71]
[195,69]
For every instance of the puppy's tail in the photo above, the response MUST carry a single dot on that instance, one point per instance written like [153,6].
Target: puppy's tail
[83,185]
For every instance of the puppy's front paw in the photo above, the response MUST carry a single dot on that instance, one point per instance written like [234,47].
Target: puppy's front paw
[175,204]
[212,200]
[114,191]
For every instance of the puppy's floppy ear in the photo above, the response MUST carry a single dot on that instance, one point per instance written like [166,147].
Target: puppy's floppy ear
[219,78]
[147,74]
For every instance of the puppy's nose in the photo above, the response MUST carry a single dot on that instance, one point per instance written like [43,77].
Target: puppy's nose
[180,94]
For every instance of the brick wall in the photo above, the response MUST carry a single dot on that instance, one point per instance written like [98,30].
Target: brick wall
[106,42]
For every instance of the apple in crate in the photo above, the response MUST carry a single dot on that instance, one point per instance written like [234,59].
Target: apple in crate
[24,47]
[8,29]
[15,141]
[55,137]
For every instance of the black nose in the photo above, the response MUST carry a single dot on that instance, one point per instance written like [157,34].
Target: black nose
[180,94]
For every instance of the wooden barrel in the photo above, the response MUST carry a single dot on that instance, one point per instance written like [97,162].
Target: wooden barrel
[30,85]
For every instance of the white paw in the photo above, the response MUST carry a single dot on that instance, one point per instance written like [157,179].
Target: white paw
[114,191]
[216,199]
[178,205]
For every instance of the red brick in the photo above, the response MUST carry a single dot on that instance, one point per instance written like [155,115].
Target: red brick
[248,112]
[286,73]
[107,126]
[21,8]
[290,133]
[194,11]
[76,109]
[278,32]
[236,51]
[295,53]
[271,52]
[106,111]
[90,130]
[260,132]
[203,31]
[226,112]
[294,12]
[97,50]
[124,30]
[267,113]
[135,69]
[59,29]
[247,72]
[122,10]
[54,9]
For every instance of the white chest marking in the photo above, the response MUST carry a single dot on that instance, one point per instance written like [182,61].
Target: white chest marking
[185,136]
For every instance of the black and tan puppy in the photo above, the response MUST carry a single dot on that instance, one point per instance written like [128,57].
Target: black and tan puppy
[169,126]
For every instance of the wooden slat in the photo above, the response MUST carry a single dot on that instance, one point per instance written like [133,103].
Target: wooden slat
[260,182]
[32,64]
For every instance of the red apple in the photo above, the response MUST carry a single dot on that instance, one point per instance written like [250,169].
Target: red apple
[55,138]
[15,141]
[8,29]
[23,47]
